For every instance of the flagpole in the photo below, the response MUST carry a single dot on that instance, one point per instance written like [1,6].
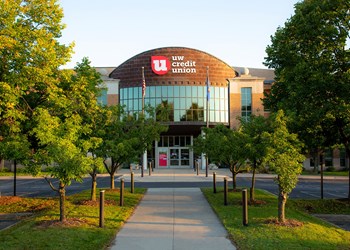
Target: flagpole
[208,91]
[143,88]
[208,97]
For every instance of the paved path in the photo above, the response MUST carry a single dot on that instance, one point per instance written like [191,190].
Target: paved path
[173,219]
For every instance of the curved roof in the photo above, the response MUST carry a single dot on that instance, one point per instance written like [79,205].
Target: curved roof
[187,66]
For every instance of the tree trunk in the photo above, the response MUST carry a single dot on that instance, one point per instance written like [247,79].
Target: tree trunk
[252,188]
[14,178]
[321,172]
[62,192]
[282,199]
[348,153]
[93,185]
[234,180]
[112,180]
[316,157]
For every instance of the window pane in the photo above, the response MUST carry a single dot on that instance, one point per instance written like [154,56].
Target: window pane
[182,91]
[188,91]
[188,141]
[164,92]
[130,105]
[194,91]
[151,91]
[217,92]
[171,141]
[136,104]
[158,91]
[176,103]
[130,93]
[176,91]
[165,141]
[176,115]
[170,90]
[182,141]
[182,103]
[188,103]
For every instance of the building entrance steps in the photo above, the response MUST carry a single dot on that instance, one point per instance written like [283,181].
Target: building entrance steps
[174,219]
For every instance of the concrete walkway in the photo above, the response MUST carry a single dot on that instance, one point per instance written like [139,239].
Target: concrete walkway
[173,219]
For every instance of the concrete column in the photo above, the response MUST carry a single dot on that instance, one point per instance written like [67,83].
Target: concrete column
[203,161]
[144,162]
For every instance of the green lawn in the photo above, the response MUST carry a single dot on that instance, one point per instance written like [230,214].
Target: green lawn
[81,230]
[259,234]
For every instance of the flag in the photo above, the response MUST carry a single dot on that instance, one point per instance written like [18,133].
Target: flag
[143,83]
[208,85]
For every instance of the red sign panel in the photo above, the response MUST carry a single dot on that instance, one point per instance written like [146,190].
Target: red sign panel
[160,65]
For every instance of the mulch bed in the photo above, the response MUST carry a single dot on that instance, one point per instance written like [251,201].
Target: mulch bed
[96,203]
[69,222]
[8,200]
[287,223]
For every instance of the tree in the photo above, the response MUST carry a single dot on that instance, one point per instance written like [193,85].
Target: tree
[89,80]
[62,150]
[312,66]
[257,145]
[285,158]
[30,59]
[126,137]
[225,146]
[16,148]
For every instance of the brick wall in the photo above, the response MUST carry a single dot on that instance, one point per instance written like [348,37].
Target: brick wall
[130,72]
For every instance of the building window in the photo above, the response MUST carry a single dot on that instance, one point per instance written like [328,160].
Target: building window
[246,103]
[102,98]
[179,103]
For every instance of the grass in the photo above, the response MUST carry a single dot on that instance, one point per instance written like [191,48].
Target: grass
[259,234]
[43,231]
[327,173]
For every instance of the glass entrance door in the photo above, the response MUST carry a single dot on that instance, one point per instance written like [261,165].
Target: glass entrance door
[179,157]
[174,157]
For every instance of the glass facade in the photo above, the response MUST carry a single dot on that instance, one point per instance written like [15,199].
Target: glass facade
[102,98]
[179,103]
[246,103]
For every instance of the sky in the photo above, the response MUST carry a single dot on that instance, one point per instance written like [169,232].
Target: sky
[109,32]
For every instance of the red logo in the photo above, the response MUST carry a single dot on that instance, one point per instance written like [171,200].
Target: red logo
[160,65]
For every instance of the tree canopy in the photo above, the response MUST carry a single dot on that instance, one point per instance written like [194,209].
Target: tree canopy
[311,58]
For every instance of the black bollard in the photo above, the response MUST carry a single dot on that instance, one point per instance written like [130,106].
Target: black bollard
[132,184]
[121,200]
[197,168]
[245,207]
[225,191]
[214,182]
[102,208]
[206,167]
[149,168]
[142,170]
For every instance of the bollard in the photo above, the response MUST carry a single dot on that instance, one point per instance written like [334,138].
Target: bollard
[225,191]
[102,208]
[149,168]
[132,184]
[152,165]
[206,167]
[197,168]
[214,182]
[141,170]
[245,207]
[121,200]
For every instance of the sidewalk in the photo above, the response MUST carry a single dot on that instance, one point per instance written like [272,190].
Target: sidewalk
[173,219]
[185,175]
